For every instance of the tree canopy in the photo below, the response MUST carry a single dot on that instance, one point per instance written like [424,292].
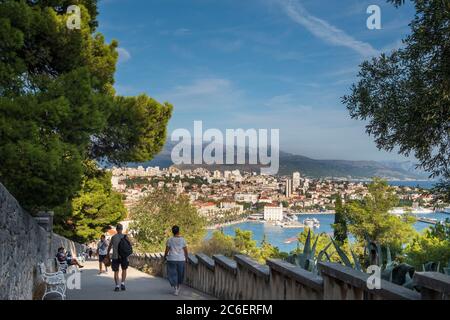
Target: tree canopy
[58,107]
[93,209]
[405,95]
[370,218]
[155,215]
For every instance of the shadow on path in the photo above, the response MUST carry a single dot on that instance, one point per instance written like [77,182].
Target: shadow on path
[139,285]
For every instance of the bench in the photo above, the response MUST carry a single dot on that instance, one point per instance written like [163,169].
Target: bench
[61,266]
[55,282]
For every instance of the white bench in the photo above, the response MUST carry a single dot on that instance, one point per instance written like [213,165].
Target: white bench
[61,266]
[55,282]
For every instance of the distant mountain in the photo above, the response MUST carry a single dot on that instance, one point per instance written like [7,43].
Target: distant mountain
[290,163]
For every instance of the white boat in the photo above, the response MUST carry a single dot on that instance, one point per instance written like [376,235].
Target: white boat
[422,210]
[311,223]
[397,211]
[418,210]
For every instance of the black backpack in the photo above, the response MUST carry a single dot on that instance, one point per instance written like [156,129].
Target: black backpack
[125,249]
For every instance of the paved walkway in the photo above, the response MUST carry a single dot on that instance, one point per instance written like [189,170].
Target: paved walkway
[140,286]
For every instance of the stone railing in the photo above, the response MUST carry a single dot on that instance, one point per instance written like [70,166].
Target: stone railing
[25,241]
[245,279]
[343,283]
[152,263]
[434,286]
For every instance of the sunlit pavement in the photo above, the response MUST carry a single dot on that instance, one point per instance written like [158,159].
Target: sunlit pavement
[139,286]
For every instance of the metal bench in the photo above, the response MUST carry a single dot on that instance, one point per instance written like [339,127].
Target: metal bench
[55,282]
[61,266]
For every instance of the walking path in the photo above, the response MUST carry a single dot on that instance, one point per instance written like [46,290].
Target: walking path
[139,285]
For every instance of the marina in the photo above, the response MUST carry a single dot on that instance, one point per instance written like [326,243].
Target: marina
[286,238]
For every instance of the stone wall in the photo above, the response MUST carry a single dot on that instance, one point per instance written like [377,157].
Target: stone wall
[24,242]
[243,278]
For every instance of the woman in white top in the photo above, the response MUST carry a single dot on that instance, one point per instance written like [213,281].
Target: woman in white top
[176,256]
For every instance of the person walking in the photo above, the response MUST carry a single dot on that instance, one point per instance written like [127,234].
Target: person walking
[122,248]
[176,255]
[102,251]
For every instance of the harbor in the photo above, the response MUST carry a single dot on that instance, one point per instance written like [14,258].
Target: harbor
[286,239]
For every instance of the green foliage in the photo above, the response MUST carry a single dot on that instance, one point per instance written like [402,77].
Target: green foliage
[315,248]
[405,95]
[442,191]
[370,218]
[340,225]
[431,246]
[154,216]
[94,208]
[306,259]
[219,243]
[241,243]
[58,107]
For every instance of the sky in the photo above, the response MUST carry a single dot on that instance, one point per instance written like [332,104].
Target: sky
[255,64]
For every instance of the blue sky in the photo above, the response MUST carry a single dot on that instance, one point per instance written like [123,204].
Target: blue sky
[281,64]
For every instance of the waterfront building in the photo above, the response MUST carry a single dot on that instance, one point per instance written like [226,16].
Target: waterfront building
[288,191]
[273,212]
[246,197]
[295,180]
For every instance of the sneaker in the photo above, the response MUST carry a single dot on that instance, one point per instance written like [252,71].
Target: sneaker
[177,291]
[122,287]
[116,289]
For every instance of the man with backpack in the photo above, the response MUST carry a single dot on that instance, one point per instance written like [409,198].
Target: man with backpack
[122,249]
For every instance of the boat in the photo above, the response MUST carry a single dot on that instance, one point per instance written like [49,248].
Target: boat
[422,210]
[418,210]
[446,210]
[311,223]
[397,211]
[292,225]
[290,240]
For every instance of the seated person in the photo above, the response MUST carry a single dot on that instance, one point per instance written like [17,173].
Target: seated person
[62,257]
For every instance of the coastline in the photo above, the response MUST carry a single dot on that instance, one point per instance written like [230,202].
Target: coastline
[228,224]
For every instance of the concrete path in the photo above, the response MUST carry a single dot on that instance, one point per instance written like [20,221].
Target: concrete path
[139,285]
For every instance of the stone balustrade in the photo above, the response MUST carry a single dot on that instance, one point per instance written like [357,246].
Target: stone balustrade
[433,285]
[242,278]
[344,283]
[151,263]
[290,282]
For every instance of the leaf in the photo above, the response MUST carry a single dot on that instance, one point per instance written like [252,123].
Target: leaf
[356,261]
[388,256]
[342,255]
[307,246]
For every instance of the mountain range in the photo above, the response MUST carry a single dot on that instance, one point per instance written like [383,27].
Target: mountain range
[289,163]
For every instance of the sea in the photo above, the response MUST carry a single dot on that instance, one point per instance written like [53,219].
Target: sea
[278,236]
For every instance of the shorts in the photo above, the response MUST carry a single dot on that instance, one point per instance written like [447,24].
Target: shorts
[123,262]
[101,257]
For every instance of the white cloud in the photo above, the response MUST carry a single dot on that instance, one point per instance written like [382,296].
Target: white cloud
[178,32]
[124,55]
[204,94]
[182,32]
[226,45]
[323,30]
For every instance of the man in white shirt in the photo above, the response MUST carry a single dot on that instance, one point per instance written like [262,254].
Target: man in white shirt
[102,251]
